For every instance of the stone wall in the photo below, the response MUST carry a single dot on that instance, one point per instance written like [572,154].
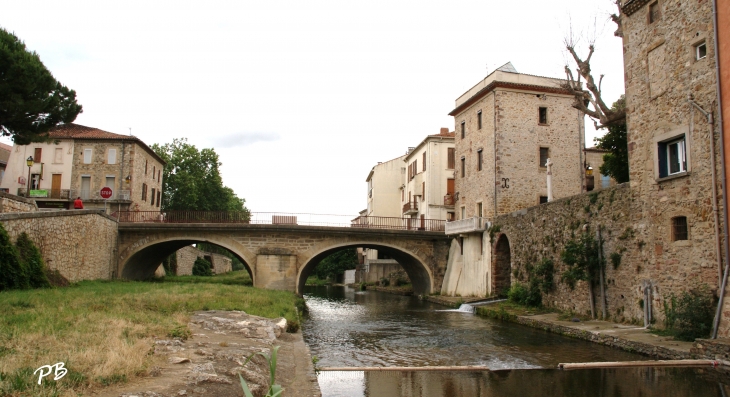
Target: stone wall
[185,259]
[81,245]
[542,232]
[12,203]
[221,263]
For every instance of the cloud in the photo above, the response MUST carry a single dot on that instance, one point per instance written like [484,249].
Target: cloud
[244,139]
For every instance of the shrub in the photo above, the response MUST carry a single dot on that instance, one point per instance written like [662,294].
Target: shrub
[690,315]
[32,261]
[528,296]
[13,274]
[202,267]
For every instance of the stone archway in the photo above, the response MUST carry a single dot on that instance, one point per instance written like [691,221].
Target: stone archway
[420,275]
[501,267]
[141,264]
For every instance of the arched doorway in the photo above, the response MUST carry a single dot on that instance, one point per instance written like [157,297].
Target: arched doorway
[142,264]
[501,266]
[419,274]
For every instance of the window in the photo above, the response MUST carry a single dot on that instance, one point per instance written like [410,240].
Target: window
[544,155]
[144,192]
[479,160]
[145,167]
[159,172]
[402,194]
[159,194]
[463,212]
[463,167]
[110,184]
[461,244]
[543,199]
[424,161]
[85,187]
[37,155]
[87,156]
[153,196]
[154,168]
[111,156]
[451,157]
[479,120]
[58,156]
[423,191]
[479,209]
[679,228]
[463,129]
[700,51]
[655,13]
[672,157]
[542,113]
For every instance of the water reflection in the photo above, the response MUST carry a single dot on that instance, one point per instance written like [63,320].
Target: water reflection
[624,382]
[348,328]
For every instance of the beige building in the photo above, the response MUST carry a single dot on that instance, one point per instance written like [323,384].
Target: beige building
[593,158]
[428,190]
[79,162]
[507,127]
[4,156]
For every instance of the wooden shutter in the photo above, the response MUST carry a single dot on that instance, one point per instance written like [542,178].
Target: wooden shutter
[424,161]
[451,159]
[37,155]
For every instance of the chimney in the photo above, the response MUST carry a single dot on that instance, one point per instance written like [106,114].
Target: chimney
[444,131]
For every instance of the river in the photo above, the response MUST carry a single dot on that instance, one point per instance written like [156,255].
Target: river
[349,328]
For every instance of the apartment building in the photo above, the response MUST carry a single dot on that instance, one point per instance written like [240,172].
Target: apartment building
[78,162]
[507,127]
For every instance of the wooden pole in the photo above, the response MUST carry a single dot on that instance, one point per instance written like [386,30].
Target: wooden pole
[648,363]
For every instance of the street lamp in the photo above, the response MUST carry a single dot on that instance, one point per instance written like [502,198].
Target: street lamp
[28,161]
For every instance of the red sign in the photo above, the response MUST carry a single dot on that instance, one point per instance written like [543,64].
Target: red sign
[106,192]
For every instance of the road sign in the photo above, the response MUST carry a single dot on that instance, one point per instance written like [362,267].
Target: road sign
[106,192]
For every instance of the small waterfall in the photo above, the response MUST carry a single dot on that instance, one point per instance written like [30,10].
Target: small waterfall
[466,308]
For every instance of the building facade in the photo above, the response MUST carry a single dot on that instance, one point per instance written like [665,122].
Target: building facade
[79,162]
[507,127]
[428,188]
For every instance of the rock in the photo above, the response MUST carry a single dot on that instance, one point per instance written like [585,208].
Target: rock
[178,360]
[575,320]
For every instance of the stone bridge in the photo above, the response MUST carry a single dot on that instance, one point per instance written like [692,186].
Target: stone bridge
[282,256]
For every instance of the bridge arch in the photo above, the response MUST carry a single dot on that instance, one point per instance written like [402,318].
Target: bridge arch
[418,271]
[146,258]
[501,266]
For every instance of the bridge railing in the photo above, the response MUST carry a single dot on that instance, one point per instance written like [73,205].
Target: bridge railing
[277,218]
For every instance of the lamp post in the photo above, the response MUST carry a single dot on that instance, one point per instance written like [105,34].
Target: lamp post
[28,161]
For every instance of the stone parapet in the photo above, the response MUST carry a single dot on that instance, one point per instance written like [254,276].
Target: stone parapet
[13,203]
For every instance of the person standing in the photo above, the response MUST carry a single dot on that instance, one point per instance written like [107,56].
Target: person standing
[78,204]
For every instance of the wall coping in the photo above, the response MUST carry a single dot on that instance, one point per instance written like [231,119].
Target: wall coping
[18,198]
[524,211]
[52,214]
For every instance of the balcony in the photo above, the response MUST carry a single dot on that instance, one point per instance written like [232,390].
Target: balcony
[410,208]
[449,200]
[469,225]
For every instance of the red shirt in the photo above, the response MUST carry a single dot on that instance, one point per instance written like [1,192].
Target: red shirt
[78,204]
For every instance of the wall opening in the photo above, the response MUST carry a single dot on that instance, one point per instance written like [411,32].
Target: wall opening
[501,267]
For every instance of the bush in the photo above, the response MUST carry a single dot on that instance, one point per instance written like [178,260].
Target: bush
[522,295]
[202,267]
[690,315]
[13,274]
[31,259]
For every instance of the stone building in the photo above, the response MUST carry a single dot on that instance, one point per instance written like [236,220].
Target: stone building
[507,127]
[4,156]
[593,160]
[428,190]
[185,259]
[78,162]
[723,61]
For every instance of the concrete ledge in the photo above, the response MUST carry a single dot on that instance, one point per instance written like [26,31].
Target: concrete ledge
[52,214]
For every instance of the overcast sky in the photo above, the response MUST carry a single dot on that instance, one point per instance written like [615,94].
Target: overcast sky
[299,98]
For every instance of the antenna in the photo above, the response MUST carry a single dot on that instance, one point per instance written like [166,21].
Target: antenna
[130,131]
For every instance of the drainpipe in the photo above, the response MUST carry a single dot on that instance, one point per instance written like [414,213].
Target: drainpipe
[718,313]
[494,148]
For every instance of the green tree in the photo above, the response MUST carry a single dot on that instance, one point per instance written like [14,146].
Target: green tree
[615,163]
[192,180]
[202,267]
[31,100]
[13,274]
[31,259]
[336,264]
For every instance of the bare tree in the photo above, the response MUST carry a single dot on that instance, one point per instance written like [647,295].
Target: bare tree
[588,99]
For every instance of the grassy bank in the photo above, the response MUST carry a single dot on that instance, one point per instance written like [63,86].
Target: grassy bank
[104,331]
[507,310]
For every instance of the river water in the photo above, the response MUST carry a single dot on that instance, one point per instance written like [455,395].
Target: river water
[349,328]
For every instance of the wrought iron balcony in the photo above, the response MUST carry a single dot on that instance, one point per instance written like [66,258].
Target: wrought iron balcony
[449,200]
[410,208]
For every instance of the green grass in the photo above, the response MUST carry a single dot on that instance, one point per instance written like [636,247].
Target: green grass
[104,331]
[239,277]
[315,281]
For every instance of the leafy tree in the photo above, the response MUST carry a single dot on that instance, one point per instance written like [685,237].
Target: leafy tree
[201,267]
[615,163]
[13,274]
[31,100]
[336,264]
[30,256]
[192,179]
[581,257]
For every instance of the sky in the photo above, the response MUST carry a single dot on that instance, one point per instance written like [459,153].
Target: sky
[300,99]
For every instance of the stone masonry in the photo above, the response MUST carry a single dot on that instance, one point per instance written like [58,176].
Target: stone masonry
[187,256]
[81,244]
[12,203]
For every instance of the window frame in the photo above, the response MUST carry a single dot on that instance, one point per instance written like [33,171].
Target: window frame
[675,236]
[649,16]
[540,119]
[697,46]
[91,156]
[660,142]
[109,154]
[480,159]
[463,129]
[463,166]
[479,120]
[539,155]
[450,158]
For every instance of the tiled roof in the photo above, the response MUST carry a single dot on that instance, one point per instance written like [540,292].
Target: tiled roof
[76,131]
[631,6]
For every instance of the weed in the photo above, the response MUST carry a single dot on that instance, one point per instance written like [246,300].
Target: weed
[274,389]
[615,260]
[593,197]
[689,316]
[627,234]
[182,332]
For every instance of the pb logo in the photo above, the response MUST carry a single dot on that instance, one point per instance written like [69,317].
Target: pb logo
[58,371]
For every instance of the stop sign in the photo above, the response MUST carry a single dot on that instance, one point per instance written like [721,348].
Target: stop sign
[106,192]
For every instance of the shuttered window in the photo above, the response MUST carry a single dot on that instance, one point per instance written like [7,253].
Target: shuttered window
[87,156]
[37,155]
[159,194]
[111,157]
[153,196]
[424,161]
[144,192]
[451,158]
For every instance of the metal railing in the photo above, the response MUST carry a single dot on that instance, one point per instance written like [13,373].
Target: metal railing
[275,218]
[410,207]
[449,200]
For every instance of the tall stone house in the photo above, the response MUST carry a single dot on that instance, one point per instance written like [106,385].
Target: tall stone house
[428,190]
[78,162]
[507,126]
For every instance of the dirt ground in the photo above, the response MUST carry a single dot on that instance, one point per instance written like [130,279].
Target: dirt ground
[208,363]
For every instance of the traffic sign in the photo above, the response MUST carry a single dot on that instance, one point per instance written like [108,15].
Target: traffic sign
[106,192]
